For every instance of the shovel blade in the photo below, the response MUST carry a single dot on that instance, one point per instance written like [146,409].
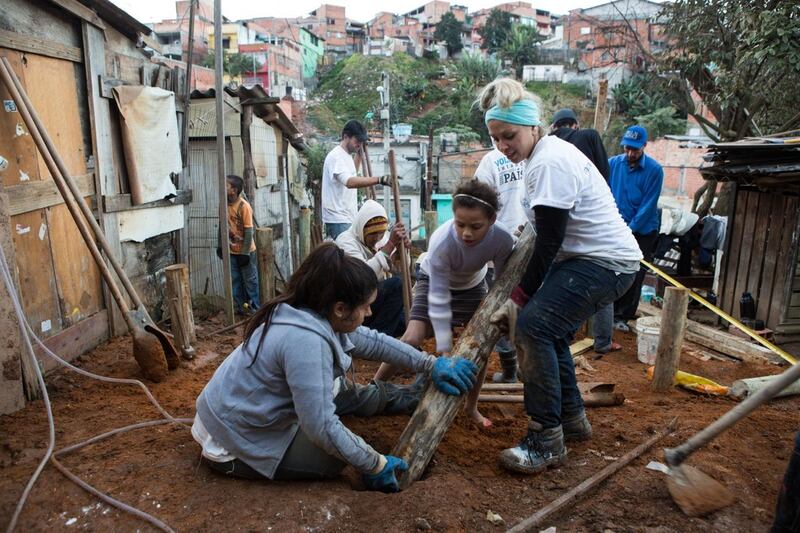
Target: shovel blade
[169,351]
[697,493]
[149,354]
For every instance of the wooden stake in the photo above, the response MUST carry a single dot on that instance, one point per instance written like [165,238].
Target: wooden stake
[670,338]
[304,233]
[264,244]
[431,223]
[436,409]
[534,520]
[179,302]
[406,272]
[600,109]
[368,169]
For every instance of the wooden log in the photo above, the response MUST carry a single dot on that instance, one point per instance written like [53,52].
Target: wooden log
[436,410]
[431,223]
[720,341]
[304,233]
[592,399]
[265,254]
[670,338]
[179,302]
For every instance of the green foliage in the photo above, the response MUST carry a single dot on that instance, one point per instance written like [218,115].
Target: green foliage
[465,133]
[314,159]
[640,95]
[233,64]
[521,47]
[449,30]
[743,58]
[496,30]
[662,122]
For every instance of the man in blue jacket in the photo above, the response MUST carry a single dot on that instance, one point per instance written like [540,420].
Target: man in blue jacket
[635,182]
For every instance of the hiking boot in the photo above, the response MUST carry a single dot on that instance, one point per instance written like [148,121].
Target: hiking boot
[540,449]
[577,427]
[508,362]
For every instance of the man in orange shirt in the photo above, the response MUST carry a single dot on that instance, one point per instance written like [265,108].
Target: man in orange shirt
[244,271]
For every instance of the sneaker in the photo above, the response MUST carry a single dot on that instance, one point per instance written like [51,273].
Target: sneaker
[576,427]
[621,325]
[540,449]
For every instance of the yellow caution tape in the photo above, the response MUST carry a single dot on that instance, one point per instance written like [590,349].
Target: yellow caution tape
[755,336]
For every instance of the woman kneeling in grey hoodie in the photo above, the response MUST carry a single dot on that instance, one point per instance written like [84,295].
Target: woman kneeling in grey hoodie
[271,410]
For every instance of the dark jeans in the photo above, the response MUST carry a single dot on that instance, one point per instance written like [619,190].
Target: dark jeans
[572,291]
[625,307]
[244,283]
[787,513]
[305,460]
[387,310]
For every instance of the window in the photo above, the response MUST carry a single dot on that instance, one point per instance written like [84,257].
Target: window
[586,30]
[331,21]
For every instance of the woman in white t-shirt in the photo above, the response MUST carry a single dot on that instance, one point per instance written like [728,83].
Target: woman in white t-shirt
[584,258]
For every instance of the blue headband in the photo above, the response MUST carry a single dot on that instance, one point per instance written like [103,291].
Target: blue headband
[523,112]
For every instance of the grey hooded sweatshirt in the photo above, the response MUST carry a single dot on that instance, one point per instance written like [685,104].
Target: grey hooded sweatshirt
[254,406]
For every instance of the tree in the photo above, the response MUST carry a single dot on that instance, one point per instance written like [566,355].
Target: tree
[521,48]
[495,31]
[742,58]
[449,31]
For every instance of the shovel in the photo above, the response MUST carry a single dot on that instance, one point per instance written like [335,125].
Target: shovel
[152,347]
[697,493]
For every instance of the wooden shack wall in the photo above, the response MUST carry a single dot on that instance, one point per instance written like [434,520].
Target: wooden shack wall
[762,256]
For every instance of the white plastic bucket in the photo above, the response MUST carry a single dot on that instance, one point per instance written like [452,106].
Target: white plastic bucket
[647,330]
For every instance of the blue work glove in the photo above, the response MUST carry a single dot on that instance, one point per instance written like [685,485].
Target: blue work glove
[454,375]
[386,479]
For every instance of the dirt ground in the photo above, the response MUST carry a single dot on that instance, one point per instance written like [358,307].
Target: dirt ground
[158,469]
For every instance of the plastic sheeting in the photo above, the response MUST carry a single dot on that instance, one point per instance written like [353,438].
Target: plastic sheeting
[150,140]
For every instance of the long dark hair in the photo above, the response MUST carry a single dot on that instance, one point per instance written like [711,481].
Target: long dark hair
[325,277]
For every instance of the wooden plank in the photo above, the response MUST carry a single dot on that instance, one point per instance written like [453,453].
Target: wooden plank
[783,266]
[75,340]
[670,338]
[102,148]
[757,259]
[108,83]
[35,45]
[32,195]
[745,252]
[16,145]
[773,237]
[734,245]
[80,11]
[123,202]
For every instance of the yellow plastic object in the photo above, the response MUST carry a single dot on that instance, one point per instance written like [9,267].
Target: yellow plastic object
[695,383]
[755,336]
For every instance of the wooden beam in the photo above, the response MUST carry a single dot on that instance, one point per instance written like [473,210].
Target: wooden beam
[107,83]
[304,233]
[75,340]
[437,410]
[33,195]
[670,338]
[36,45]
[720,341]
[265,254]
[115,203]
[80,11]
[179,302]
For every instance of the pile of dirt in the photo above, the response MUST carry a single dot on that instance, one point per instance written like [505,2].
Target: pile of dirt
[159,471]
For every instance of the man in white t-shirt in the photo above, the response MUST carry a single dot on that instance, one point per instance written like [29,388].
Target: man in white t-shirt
[508,180]
[340,181]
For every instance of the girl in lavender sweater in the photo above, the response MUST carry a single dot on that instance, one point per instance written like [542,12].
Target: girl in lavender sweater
[451,282]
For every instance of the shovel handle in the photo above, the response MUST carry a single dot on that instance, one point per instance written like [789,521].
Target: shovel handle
[675,456]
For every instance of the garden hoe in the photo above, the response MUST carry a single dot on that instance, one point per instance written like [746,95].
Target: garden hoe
[697,493]
[152,347]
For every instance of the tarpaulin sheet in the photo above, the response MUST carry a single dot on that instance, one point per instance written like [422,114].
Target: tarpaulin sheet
[150,139]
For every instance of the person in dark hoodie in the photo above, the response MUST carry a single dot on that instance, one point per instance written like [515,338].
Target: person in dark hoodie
[271,410]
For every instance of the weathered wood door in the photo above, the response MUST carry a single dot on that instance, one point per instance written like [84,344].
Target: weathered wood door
[58,279]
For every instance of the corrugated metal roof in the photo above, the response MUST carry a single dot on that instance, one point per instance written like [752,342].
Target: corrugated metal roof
[203,123]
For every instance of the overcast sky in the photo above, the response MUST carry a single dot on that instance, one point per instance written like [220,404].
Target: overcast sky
[360,10]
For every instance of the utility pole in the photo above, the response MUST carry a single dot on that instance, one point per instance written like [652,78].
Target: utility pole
[223,196]
[384,90]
